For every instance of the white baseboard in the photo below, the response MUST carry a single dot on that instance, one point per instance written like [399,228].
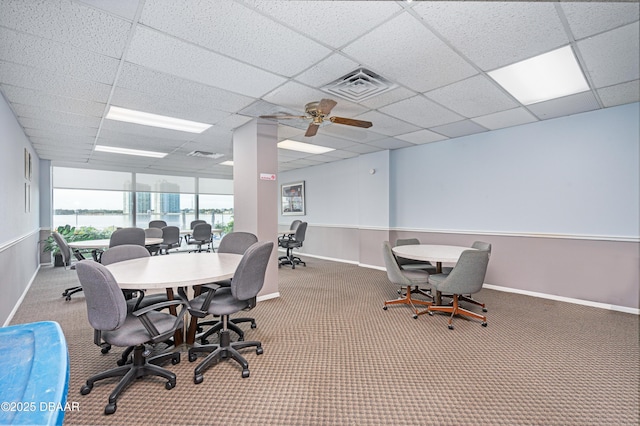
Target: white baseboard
[22,296]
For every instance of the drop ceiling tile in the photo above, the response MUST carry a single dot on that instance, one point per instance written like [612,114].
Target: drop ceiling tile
[235,31]
[334,23]
[146,80]
[123,8]
[589,18]
[76,120]
[294,96]
[612,57]
[233,121]
[166,54]
[165,106]
[494,34]
[59,58]
[305,162]
[502,119]
[390,97]
[472,97]
[327,70]
[61,143]
[421,136]
[49,137]
[460,128]
[341,154]
[387,125]
[390,143]
[574,104]
[328,141]
[52,102]
[620,94]
[421,111]
[63,85]
[363,148]
[29,124]
[351,133]
[67,22]
[398,56]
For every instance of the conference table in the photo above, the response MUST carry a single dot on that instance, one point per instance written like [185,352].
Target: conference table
[175,271]
[431,253]
[100,245]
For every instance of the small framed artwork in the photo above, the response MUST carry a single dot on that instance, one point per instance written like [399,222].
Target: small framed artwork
[27,164]
[27,198]
[292,196]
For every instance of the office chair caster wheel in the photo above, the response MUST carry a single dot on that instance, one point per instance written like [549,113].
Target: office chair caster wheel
[253,324]
[121,362]
[259,351]
[105,350]
[245,374]
[169,385]
[384,307]
[175,360]
[484,324]
[415,316]
[197,379]
[430,313]
[484,309]
[67,298]
[450,327]
[192,357]
[85,389]
[110,409]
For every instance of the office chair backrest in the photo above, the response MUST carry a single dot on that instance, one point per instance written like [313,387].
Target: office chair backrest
[237,242]
[467,277]
[407,241]
[195,222]
[153,233]
[481,245]
[394,273]
[65,251]
[294,225]
[106,306]
[127,236]
[123,252]
[202,232]
[157,224]
[249,276]
[170,235]
[301,232]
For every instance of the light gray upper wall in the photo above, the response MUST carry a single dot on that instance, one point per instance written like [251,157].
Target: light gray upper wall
[344,193]
[16,221]
[576,175]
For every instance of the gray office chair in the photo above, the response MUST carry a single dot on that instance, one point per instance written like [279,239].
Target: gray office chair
[107,312]
[467,277]
[411,263]
[192,225]
[170,239]
[153,233]
[136,299]
[65,251]
[478,245]
[241,295]
[201,236]
[292,230]
[236,243]
[157,224]
[295,241]
[127,236]
[406,279]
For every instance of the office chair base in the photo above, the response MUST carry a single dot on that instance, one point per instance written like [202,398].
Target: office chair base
[408,300]
[455,309]
[140,367]
[69,291]
[226,349]
[290,260]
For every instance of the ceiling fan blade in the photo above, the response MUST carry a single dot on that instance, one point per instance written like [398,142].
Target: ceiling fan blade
[312,130]
[351,122]
[326,105]
[281,117]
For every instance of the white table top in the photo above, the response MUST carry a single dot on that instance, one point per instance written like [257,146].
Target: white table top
[190,231]
[104,244]
[175,270]
[430,252]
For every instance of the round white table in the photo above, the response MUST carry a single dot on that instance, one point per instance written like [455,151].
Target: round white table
[175,270]
[104,244]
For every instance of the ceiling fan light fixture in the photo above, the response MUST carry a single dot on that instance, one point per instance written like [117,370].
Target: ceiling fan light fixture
[303,147]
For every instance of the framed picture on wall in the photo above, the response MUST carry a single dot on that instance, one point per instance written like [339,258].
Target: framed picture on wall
[27,164]
[292,196]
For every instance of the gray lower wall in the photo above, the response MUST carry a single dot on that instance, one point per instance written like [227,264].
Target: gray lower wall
[604,272]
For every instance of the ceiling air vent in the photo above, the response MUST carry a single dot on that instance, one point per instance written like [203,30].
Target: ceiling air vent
[205,154]
[359,85]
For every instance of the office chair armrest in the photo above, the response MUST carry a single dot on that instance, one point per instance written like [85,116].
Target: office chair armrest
[156,336]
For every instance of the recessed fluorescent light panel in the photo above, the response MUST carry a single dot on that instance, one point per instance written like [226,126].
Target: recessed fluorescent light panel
[227,163]
[548,76]
[127,151]
[303,147]
[148,119]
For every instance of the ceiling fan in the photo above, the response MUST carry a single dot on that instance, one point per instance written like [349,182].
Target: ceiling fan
[318,112]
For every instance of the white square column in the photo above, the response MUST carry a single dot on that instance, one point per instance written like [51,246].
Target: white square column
[255,188]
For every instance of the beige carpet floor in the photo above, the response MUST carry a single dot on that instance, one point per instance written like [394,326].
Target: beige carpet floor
[333,356]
